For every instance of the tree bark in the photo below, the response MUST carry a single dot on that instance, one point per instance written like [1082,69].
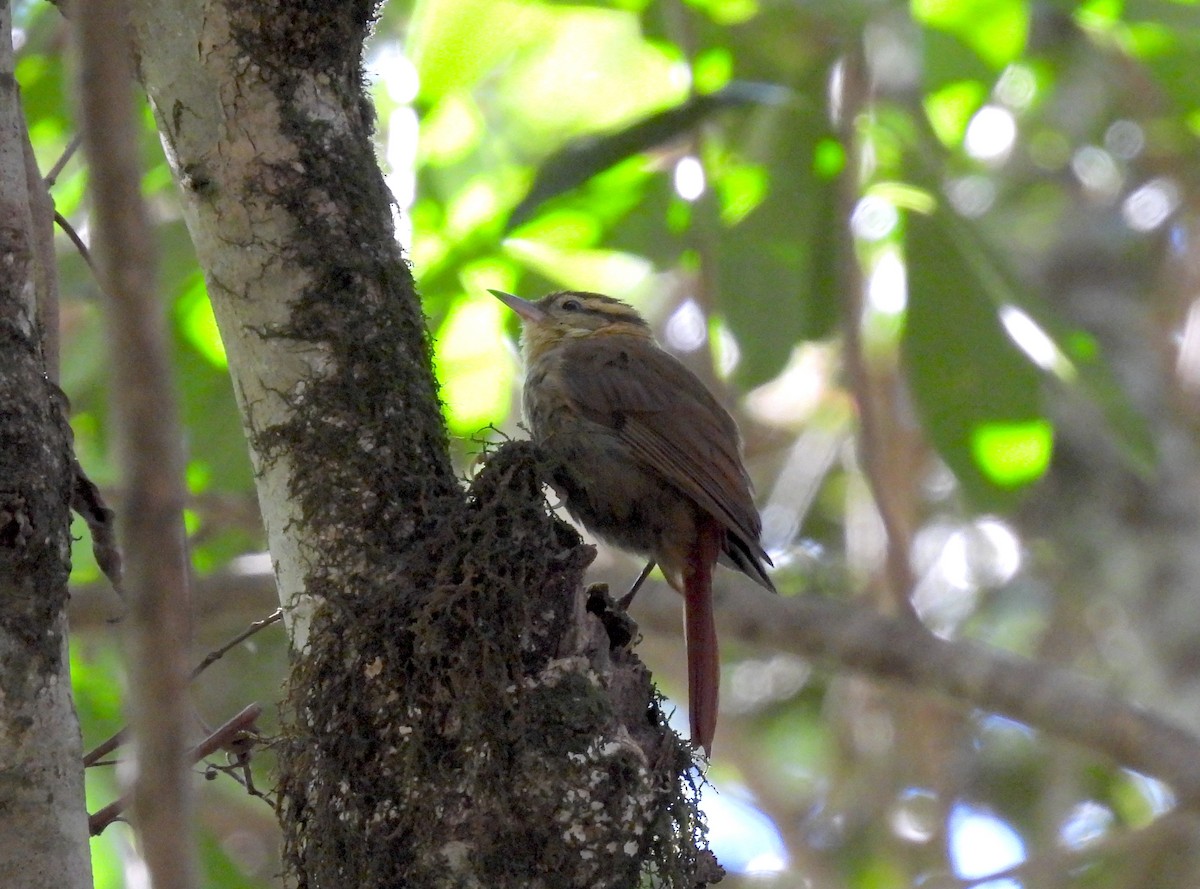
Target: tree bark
[43,823]
[457,715]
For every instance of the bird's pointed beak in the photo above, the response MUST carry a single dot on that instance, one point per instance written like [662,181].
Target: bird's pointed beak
[527,310]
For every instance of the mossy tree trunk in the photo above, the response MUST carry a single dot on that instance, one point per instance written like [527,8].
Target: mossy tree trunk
[456,714]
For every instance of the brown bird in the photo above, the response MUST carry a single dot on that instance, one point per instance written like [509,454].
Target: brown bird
[645,458]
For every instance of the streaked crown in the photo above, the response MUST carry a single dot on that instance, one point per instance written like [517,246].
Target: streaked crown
[572,314]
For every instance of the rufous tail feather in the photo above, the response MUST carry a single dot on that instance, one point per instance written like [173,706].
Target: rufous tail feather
[703,656]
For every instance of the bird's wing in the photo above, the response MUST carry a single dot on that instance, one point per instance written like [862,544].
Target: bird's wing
[670,422]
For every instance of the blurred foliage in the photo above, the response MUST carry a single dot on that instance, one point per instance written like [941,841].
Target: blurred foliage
[685,156]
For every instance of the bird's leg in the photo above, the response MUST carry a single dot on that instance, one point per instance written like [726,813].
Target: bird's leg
[627,599]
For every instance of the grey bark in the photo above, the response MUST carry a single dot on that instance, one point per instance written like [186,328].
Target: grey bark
[43,823]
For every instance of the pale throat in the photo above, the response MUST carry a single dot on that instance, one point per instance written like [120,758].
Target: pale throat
[537,340]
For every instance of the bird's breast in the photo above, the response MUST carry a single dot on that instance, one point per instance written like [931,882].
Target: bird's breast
[617,497]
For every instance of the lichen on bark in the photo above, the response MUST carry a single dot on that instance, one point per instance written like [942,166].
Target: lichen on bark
[470,723]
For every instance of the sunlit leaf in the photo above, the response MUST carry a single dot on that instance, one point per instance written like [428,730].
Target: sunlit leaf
[199,326]
[1131,798]
[474,366]
[96,680]
[607,271]
[453,43]
[741,187]
[829,158]
[1099,13]
[199,476]
[727,12]
[712,69]
[41,79]
[450,131]
[477,203]
[995,29]
[584,158]
[1012,454]
[608,197]
[950,109]
[904,195]
[594,73]
[567,227]
[965,374]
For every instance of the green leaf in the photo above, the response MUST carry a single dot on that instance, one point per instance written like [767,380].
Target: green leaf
[777,251]
[474,368]
[948,59]
[978,396]
[950,108]
[584,158]
[194,315]
[1012,454]
[728,12]
[1078,359]
[454,43]
[995,29]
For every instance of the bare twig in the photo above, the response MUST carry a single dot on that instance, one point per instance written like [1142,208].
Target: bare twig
[68,153]
[149,445]
[87,501]
[213,656]
[93,756]
[228,734]
[70,232]
[1172,827]
[1057,701]
[231,735]
[873,396]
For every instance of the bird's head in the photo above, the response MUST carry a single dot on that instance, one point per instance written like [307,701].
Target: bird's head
[571,315]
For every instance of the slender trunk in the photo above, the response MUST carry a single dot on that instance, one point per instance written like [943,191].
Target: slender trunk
[43,824]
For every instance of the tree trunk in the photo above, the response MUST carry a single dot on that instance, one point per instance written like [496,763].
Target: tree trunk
[457,715]
[43,823]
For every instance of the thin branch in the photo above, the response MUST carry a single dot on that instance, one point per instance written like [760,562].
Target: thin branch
[838,635]
[1059,702]
[73,235]
[870,389]
[94,756]
[1178,826]
[213,656]
[231,735]
[68,153]
[149,445]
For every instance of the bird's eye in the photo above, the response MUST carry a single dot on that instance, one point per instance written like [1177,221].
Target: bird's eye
[571,305]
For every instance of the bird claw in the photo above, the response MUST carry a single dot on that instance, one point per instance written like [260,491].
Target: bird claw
[617,624]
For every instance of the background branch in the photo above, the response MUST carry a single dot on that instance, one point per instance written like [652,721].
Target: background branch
[838,635]
[150,447]
[230,734]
